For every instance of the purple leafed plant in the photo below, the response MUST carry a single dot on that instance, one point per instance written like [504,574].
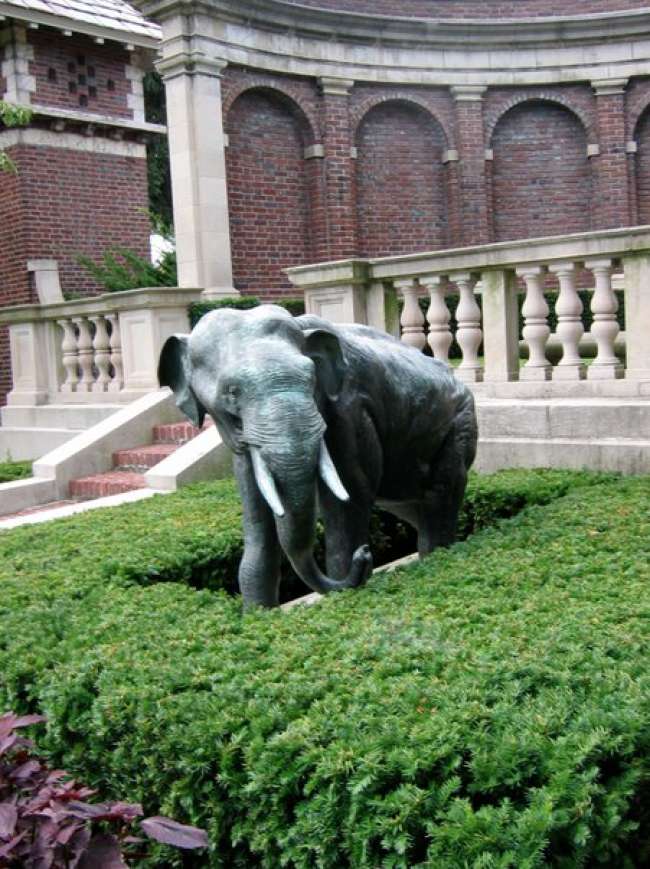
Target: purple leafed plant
[46,822]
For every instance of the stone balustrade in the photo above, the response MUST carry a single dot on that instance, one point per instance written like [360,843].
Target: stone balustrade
[499,286]
[103,348]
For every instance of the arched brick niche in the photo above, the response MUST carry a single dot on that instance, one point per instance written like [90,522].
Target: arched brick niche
[541,176]
[400,181]
[269,189]
[642,138]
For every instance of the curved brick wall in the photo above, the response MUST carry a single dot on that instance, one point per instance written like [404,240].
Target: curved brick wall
[401,185]
[268,191]
[541,178]
[643,168]
[473,8]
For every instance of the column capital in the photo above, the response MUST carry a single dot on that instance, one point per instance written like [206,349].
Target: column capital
[606,87]
[334,86]
[190,63]
[562,267]
[468,93]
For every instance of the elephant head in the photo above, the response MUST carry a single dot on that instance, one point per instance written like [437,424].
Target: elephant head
[258,374]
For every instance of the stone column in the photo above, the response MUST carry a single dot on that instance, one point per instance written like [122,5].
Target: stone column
[198,170]
[500,326]
[475,228]
[339,232]
[612,195]
[637,316]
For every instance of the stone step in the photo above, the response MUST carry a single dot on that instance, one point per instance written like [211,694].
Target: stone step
[145,456]
[108,483]
[620,454]
[77,417]
[584,419]
[177,432]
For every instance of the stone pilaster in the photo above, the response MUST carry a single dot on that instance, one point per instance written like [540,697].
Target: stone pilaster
[474,225]
[611,162]
[198,170]
[339,232]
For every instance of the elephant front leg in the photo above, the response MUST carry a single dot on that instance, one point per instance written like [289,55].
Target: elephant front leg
[347,527]
[259,570]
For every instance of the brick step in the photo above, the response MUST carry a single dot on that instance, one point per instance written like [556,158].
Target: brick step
[177,432]
[109,483]
[145,456]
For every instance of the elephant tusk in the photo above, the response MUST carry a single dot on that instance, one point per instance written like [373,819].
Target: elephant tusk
[328,472]
[265,482]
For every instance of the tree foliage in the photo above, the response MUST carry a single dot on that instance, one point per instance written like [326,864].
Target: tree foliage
[11,116]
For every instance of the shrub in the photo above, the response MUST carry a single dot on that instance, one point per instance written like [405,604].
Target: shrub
[296,307]
[122,269]
[485,707]
[10,471]
[45,820]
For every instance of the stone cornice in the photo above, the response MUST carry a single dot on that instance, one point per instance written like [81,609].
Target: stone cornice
[273,36]
[308,20]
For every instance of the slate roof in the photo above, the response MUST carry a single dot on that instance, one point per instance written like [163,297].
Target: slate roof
[113,15]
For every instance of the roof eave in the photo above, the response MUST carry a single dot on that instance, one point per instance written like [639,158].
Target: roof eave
[63,23]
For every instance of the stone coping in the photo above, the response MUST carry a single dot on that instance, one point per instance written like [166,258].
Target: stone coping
[147,297]
[274,36]
[612,243]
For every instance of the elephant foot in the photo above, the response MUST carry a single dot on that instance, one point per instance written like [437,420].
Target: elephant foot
[361,566]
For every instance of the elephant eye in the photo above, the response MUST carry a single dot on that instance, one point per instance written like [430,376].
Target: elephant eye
[231,391]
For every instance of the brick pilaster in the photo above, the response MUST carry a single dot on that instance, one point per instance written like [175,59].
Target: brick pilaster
[336,237]
[613,198]
[474,224]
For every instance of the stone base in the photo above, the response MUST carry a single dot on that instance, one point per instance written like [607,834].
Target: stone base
[569,372]
[605,371]
[536,373]
[210,294]
[469,375]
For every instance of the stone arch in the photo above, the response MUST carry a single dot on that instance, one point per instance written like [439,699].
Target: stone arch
[495,118]
[401,183]
[269,190]
[293,102]
[369,103]
[642,165]
[541,176]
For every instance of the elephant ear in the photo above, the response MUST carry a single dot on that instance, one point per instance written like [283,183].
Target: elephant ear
[324,349]
[174,370]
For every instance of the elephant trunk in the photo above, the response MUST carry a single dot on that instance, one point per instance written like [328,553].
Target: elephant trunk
[286,475]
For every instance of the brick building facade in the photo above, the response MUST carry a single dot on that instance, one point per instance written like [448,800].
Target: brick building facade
[357,128]
[81,184]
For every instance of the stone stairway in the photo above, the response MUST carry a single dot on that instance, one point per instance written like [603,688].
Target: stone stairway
[130,465]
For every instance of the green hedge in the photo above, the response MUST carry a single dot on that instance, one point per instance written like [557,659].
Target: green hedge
[489,706]
[296,307]
[10,471]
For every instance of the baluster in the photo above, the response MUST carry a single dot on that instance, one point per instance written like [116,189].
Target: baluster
[69,356]
[604,328]
[569,324]
[412,319]
[536,329]
[102,355]
[468,334]
[85,351]
[438,316]
[116,354]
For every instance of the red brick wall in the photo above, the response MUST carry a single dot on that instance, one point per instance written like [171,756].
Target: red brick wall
[75,73]
[269,189]
[401,184]
[473,8]
[643,168]
[541,177]
[14,285]
[61,204]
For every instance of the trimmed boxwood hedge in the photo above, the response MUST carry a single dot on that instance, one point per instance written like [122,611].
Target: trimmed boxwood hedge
[10,471]
[488,706]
